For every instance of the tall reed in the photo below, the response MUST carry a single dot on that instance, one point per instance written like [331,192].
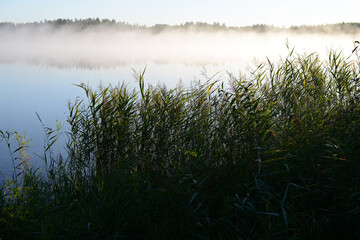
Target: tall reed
[270,155]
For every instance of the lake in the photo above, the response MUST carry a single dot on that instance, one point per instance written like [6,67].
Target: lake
[29,89]
[40,76]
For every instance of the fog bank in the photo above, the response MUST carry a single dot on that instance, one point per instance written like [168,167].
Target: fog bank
[103,48]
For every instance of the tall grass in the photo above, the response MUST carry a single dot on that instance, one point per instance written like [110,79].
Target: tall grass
[267,156]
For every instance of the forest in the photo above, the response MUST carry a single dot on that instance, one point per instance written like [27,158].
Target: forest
[96,23]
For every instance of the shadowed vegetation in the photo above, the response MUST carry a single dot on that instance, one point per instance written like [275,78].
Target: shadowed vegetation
[272,155]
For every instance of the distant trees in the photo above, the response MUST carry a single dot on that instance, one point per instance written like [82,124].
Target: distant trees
[97,23]
[7,24]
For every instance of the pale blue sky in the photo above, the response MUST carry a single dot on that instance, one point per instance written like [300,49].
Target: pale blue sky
[150,12]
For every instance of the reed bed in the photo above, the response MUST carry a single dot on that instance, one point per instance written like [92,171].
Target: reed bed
[271,155]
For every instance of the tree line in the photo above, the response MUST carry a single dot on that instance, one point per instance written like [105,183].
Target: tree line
[90,23]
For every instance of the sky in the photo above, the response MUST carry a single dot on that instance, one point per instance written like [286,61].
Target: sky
[281,13]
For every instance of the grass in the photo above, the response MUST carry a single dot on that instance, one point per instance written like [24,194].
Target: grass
[272,155]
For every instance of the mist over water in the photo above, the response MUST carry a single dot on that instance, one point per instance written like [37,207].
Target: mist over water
[107,48]
[40,65]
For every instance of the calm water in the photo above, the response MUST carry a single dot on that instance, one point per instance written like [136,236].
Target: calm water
[27,88]
[30,89]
